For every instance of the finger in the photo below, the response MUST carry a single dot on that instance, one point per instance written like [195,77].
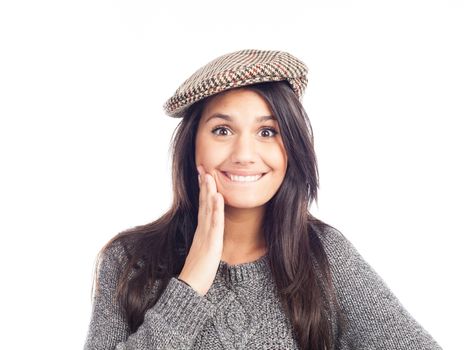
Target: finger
[214,182]
[200,169]
[202,195]
[211,193]
[200,175]
[209,202]
[218,216]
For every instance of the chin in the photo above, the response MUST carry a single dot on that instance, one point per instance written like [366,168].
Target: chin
[244,203]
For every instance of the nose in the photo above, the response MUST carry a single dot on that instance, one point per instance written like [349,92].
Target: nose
[244,149]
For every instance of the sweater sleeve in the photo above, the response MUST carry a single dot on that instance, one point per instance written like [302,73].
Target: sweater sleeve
[375,318]
[172,323]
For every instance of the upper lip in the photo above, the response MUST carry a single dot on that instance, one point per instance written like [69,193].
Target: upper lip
[243,173]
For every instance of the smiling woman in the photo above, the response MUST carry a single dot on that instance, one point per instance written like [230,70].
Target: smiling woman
[242,150]
[239,262]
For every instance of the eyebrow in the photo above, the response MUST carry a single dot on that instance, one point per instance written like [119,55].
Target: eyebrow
[229,118]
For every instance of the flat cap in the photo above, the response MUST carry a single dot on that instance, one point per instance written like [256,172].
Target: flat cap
[237,69]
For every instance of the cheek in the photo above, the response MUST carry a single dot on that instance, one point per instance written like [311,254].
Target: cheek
[207,154]
[278,159]
[201,149]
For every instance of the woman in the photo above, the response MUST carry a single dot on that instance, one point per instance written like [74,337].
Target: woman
[238,262]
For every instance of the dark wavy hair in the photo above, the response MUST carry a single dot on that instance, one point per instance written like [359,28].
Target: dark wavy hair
[157,251]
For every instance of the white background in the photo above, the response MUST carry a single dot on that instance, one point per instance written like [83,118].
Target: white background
[84,140]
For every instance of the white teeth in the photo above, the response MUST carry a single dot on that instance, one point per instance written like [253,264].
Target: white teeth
[244,178]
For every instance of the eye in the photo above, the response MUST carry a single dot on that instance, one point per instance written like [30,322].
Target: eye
[271,129]
[219,128]
[267,129]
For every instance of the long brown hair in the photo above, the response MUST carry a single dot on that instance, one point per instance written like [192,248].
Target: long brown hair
[155,252]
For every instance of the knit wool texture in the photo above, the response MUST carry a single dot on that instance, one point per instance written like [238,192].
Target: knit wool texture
[241,309]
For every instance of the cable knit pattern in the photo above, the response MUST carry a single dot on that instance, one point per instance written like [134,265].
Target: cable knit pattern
[241,309]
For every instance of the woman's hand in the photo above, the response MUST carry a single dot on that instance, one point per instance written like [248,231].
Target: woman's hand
[205,253]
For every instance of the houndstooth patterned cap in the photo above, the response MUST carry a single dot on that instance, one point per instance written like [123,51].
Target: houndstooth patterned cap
[236,69]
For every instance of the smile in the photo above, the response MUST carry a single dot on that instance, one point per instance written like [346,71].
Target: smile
[242,179]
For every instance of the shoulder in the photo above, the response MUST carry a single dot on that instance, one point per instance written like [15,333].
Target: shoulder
[335,244]
[111,260]
[353,277]
[114,252]
[345,261]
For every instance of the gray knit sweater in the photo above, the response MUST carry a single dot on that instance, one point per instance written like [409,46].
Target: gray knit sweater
[241,309]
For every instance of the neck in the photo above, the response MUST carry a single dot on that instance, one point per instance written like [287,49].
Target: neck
[243,236]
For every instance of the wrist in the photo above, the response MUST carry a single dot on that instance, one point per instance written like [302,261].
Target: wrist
[181,280]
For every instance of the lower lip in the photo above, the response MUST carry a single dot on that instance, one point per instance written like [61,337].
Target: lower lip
[242,183]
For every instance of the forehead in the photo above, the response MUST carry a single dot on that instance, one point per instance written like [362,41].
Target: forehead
[235,105]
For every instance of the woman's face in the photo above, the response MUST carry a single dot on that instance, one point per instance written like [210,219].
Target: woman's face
[235,137]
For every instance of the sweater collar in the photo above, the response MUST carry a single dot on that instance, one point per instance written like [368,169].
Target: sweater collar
[246,271]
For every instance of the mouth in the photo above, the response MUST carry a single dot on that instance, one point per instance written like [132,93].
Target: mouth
[242,179]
